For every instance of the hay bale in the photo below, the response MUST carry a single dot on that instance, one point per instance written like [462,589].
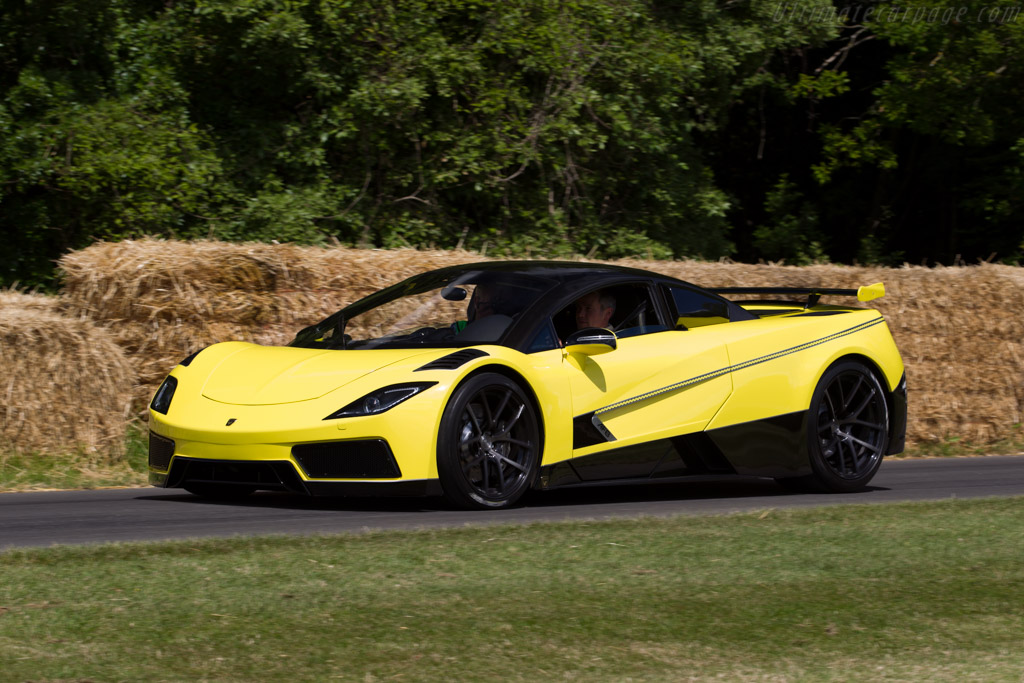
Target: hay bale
[66,385]
[25,301]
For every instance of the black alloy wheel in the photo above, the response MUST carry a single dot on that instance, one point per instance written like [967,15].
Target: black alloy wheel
[848,428]
[488,446]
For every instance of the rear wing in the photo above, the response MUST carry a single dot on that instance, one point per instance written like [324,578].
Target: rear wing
[813,294]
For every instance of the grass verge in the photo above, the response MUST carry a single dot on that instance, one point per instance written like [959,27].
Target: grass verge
[926,591]
[34,471]
[954,446]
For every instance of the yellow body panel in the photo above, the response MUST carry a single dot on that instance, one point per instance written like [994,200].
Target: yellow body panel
[628,388]
[776,363]
[199,425]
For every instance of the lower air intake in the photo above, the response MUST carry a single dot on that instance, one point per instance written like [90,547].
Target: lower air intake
[370,459]
[161,451]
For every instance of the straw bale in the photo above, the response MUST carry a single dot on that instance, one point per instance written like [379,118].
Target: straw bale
[959,329]
[66,385]
[25,301]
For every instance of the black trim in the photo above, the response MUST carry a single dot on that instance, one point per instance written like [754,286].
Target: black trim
[588,430]
[631,462]
[191,357]
[784,290]
[161,450]
[280,475]
[453,360]
[813,294]
[772,447]
[898,418]
[364,489]
[354,459]
[699,453]
[272,475]
[683,456]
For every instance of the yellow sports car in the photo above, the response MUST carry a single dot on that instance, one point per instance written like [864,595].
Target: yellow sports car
[482,381]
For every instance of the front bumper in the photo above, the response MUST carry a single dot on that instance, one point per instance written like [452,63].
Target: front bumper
[339,468]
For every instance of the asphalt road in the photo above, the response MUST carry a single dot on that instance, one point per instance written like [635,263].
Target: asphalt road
[77,517]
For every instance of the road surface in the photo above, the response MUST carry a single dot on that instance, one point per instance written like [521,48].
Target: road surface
[77,517]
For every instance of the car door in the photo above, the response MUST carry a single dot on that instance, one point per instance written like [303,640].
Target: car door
[660,381]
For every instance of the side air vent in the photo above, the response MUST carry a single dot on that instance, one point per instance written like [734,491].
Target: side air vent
[453,360]
[363,459]
[161,451]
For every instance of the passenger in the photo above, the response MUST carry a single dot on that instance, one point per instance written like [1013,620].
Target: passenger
[485,302]
[594,310]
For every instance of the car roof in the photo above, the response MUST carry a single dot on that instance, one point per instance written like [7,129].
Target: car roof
[579,273]
[570,279]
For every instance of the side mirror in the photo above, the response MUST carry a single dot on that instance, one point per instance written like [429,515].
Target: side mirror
[453,293]
[591,341]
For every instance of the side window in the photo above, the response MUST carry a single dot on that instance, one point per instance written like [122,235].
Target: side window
[632,312]
[697,309]
[545,340]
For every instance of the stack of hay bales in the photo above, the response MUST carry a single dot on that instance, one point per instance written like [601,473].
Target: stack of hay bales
[959,329]
[66,384]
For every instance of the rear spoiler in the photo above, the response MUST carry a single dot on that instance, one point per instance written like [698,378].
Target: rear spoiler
[813,294]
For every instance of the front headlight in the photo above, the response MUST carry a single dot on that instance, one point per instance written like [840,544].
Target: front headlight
[378,401]
[162,398]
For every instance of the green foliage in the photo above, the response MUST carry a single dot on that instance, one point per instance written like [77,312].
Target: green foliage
[946,115]
[519,127]
[792,235]
[601,127]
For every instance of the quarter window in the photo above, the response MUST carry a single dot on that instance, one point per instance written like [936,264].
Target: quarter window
[697,309]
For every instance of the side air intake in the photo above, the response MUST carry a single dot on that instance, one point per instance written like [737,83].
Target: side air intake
[453,360]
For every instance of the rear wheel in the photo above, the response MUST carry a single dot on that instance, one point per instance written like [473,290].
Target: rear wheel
[848,428]
[488,445]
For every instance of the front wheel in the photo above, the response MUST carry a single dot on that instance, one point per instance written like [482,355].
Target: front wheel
[848,428]
[488,445]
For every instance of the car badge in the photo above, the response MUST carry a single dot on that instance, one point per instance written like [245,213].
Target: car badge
[229,422]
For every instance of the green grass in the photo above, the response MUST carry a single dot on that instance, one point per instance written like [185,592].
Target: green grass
[21,471]
[955,446]
[928,591]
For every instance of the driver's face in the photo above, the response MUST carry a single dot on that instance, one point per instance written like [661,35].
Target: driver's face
[590,312]
[485,303]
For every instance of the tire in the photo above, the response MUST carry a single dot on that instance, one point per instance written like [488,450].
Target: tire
[488,444]
[219,491]
[848,428]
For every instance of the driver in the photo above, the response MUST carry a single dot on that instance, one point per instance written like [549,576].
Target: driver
[594,310]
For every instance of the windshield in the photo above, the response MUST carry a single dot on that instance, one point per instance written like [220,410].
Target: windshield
[437,309]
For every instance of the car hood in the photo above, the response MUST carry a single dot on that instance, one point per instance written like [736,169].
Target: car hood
[266,375]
